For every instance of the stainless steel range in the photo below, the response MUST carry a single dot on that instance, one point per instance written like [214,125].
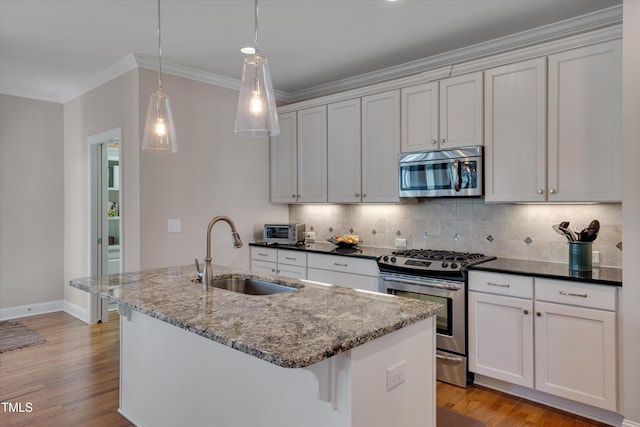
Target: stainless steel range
[438,276]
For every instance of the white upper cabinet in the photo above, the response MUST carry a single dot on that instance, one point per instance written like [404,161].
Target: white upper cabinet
[443,114]
[380,147]
[344,152]
[585,115]
[515,132]
[312,155]
[284,161]
[555,140]
[298,157]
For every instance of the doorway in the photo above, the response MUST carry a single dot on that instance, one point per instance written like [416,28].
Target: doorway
[106,208]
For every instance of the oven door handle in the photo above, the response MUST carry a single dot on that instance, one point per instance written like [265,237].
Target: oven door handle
[421,283]
[449,358]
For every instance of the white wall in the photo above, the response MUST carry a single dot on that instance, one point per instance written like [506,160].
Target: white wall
[213,173]
[111,105]
[631,211]
[31,202]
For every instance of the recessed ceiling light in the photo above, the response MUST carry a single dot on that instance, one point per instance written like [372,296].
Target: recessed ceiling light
[248,50]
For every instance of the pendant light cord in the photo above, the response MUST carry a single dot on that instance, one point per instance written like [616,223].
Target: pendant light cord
[160,51]
[255,41]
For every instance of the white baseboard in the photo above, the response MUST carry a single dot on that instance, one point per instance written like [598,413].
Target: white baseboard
[586,411]
[77,311]
[43,308]
[629,423]
[31,309]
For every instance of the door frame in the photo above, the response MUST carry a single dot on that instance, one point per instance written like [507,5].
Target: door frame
[98,249]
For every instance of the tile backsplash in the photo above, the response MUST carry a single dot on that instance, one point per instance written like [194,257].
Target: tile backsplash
[502,230]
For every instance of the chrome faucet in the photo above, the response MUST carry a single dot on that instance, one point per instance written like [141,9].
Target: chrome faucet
[207,273]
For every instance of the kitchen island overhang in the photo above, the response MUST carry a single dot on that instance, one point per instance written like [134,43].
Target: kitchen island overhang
[198,356]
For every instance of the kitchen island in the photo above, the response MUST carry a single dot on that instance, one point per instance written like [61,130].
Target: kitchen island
[315,356]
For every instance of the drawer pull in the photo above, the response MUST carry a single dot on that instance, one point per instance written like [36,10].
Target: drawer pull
[570,294]
[501,285]
[261,254]
[291,258]
[340,265]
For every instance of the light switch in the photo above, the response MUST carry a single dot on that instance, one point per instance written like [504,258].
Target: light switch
[174,226]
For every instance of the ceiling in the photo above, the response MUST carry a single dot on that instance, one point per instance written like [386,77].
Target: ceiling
[50,49]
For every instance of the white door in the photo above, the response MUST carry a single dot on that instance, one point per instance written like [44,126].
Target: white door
[461,111]
[312,155]
[576,353]
[585,160]
[501,337]
[380,147]
[106,207]
[516,132]
[344,154]
[420,118]
[283,161]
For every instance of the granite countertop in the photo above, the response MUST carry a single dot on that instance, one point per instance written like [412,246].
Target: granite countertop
[289,329]
[602,275]
[369,252]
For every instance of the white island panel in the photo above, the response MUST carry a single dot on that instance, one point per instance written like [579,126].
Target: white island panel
[170,376]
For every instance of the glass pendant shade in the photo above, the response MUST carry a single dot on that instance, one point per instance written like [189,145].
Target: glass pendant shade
[256,114]
[159,130]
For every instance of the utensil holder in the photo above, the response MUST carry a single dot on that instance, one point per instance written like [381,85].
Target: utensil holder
[580,256]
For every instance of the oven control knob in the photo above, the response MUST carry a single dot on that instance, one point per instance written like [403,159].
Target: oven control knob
[445,264]
[454,265]
[393,259]
[385,258]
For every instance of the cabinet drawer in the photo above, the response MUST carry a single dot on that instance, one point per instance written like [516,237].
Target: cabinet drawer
[346,264]
[264,254]
[263,266]
[579,294]
[292,257]
[501,284]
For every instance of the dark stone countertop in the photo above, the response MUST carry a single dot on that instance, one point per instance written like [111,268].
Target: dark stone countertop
[552,270]
[368,252]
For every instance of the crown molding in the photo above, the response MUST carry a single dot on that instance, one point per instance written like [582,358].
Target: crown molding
[438,65]
[30,94]
[450,70]
[569,27]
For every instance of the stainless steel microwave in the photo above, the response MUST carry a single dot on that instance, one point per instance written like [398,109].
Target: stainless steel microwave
[284,234]
[442,173]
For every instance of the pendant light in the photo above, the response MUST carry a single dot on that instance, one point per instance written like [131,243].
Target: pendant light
[159,130]
[256,114]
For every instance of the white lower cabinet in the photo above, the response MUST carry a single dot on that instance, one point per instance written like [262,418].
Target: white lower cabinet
[350,272]
[344,271]
[283,262]
[560,340]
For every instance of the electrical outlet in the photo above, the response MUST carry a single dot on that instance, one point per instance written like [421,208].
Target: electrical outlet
[173,226]
[310,236]
[395,375]
[401,243]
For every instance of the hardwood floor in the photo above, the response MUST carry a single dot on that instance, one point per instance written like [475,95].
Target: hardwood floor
[73,379]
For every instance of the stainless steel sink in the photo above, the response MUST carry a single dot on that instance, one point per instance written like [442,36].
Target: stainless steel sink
[250,286]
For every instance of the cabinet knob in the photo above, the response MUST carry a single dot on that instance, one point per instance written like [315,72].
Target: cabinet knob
[364,194]
[540,191]
[538,314]
[357,195]
[299,196]
[552,191]
[434,142]
[525,311]
[441,140]
[293,195]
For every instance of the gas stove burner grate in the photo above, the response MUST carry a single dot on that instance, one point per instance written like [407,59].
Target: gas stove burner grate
[439,255]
